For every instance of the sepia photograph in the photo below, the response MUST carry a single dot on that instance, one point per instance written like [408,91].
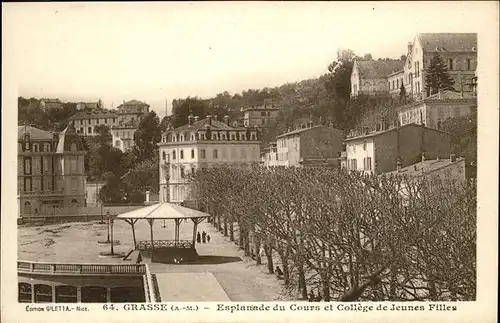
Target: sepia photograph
[291,153]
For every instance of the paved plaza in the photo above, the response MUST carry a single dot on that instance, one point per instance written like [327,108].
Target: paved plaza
[222,271]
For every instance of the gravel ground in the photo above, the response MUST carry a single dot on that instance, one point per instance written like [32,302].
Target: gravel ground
[238,276]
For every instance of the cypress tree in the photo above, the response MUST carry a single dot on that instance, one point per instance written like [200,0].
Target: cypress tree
[437,77]
[402,93]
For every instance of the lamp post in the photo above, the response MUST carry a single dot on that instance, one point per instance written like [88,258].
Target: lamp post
[108,216]
[111,222]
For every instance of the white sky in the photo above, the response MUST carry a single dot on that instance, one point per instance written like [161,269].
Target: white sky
[158,51]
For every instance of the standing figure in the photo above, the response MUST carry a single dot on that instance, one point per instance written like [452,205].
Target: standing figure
[204,236]
[311,296]
[208,238]
[198,238]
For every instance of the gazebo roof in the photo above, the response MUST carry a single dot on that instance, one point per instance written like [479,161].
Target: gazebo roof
[163,210]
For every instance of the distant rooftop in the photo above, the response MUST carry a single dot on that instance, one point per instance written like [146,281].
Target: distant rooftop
[427,166]
[35,133]
[200,125]
[132,103]
[301,130]
[371,69]
[378,133]
[448,42]
[91,114]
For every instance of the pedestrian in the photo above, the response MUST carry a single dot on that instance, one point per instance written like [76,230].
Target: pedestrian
[208,238]
[198,237]
[204,237]
[311,296]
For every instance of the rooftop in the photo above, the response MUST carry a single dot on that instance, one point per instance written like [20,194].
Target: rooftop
[132,103]
[427,166]
[380,132]
[35,133]
[200,125]
[93,114]
[51,100]
[370,69]
[448,42]
[301,130]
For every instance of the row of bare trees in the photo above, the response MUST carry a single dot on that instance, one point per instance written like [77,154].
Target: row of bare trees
[350,236]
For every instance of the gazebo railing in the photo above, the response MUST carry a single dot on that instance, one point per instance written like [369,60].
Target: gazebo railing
[146,245]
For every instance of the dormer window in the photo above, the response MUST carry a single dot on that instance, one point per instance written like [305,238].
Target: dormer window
[243,136]
[193,137]
[232,136]
[174,138]
[35,148]
[181,137]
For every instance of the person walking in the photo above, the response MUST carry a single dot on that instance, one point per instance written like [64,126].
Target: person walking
[204,237]
[198,237]
[208,238]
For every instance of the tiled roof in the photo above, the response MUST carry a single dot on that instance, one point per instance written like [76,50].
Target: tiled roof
[426,166]
[35,133]
[301,130]
[89,105]
[51,100]
[133,103]
[65,140]
[378,69]
[215,124]
[450,42]
[93,115]
[377,133]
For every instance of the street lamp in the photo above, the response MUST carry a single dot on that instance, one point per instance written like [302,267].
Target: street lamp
[111,222]
[108,216]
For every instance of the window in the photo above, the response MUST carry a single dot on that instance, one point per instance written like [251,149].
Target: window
[393,84]
[469,65]
[354,164]
[81,129]
[182,172]
[114,120]
[263,114]
[106,120]
[89,130]
[90,121]
[367,163]
[354,148]
[215,153]
[182,153]
[97,121]
[27,165]
[450,64]
[24,293]
[203,153]
[173,154]
[43,294]
[164,155]
[364,146]
[66,294]
[192,153]
[35,148]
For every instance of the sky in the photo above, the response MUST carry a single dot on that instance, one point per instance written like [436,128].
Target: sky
[156,52]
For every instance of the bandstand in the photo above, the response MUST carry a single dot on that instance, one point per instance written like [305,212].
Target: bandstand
[165,251]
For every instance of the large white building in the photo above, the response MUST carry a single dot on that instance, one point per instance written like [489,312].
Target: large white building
[129,114]
[202,144]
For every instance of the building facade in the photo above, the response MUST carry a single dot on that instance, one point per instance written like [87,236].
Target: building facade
[202,144]
[370,77]
[459,52]
[309,143]
[50,170]
[383,151]
[269,155]
[434,110]
[92,190]
[50,104]
[260,116]
[85,121]
[86,106]
[130,115]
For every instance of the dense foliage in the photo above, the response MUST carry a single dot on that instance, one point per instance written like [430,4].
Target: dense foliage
[349,236]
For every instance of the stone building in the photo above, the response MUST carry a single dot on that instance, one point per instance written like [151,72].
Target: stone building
[434,110]
[459,52]
[202,144]
[383,151]
[309,145]
[50,170]
[269,155]
[129,115]
[370,77]
[260,116]
[50,104]
[86,120]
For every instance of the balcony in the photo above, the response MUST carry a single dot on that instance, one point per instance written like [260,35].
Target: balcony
[42,193]
[79,269]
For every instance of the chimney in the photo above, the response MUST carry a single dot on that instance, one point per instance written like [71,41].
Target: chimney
[226,120]
[366,130]
[216,118]
[453,157]
[423,157]
[190,119]
[196,118]
[209,119]
[410,46]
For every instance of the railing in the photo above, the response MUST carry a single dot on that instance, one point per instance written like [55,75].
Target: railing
[80,269]
[146,245]
[149,287]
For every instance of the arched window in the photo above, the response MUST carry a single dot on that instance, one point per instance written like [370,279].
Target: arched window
[43,293]
[173,154]
[24,293]
[74,203]
[27,208]
[181,137]
[66,294]
[164,155]
[35,148]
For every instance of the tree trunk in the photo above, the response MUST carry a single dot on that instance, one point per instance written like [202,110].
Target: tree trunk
[284,262]
[225,227]
[241,238]
[392,291]
[219,224]
[247,243]
[269,255]
[302,282]
[326,287]
[257,252]
[231,231]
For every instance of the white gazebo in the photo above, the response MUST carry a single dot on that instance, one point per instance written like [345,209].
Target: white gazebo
[164,211]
